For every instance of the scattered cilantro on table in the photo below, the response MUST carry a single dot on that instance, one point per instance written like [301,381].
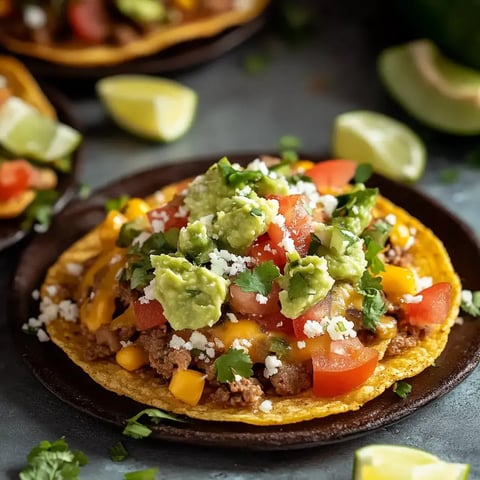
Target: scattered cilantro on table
[470,302]
[40,210]
[149,474]
[135,429]
[231,363]
[118,452]
[449,175]
[260,279]
[363,172]
[402,388]
[53,461]
[256,63]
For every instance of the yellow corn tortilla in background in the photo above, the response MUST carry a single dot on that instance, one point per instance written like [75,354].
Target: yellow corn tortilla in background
[429,257]
[148,44]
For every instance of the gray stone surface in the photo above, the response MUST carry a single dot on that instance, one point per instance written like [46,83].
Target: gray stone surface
[238,112]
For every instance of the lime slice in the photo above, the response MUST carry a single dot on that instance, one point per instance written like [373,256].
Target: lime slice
[394,462]
[392,148]
[27,133]
[155,108]
[432,88]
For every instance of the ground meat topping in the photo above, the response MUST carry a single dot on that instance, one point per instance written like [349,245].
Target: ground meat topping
[244,392]
[291,379]
[407,337]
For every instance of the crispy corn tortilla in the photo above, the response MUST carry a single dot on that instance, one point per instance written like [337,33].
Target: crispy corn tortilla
[148,44]
[430,258]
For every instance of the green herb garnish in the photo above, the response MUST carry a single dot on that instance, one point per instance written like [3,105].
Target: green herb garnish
[402,388]
[53,461]
[40,210]
[260,279]
[371,255]
[84,191]
[256,63]
[118,452]
[116,203]
[379,231]
[234,362]
[373,306]
[237,178]
[449,175]
[148,474]
[128,232]
[279,345]
[363,172]
[135,429]
[470,302]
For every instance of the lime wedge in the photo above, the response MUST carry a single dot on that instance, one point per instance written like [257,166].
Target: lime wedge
[435,90]
[392,148]
[27,133]
[394,462]
[152,107]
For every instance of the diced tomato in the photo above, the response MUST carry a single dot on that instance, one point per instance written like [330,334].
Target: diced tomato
[149,314]
[169,215]
[332,173]
[247,303]
[264,250]
[15,177]
[434,307]
[274,322]
[345,367]
[298,222]
[88,20]
[316,313]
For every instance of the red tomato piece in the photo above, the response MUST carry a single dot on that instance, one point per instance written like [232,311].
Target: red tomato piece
[339,373]
[247,303]
[317,312]
[15,177]
[169,216]
[149,314]
[332,173]
[88,20]
[264,250]
[298,222]
[434,307]
[274,322]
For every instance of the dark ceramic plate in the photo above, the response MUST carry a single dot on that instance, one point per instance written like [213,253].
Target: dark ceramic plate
[179,57]
[10,230]
[70,384]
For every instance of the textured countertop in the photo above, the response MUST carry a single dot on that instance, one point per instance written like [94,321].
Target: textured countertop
[300,92]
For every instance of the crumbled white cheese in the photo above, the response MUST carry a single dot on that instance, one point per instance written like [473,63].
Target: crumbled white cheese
[246,190]
[467,296]
[279,220]
[68,310]
[176,342]
[459,321]
[149,292]
[36,294]
[329,203]
[158,220]
[232,317]
[288,244]
[301,344]
[266,406]
[141,238]
[182,212]
[224,263]
[144,300]
[259,166]
[42,335]
[206,220]
[272,362]
[125,343]
[237,377]
[407,298]
[52,290]
[423,283]
[75,269]
[261,299]
[338,327]
[218,343]
[115,259]
[34,16]
[198,340]
[391,219]
[312,329]
[241,344]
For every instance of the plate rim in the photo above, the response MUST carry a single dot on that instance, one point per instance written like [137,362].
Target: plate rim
[291,436]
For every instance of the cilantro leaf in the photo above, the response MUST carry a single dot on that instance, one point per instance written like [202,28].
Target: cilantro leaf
[118,452]
[148,474]
[449,175]
[289,142]
[298,286]
[379,231]
[256,63]
[402,388]
[236,178]
[373,305]
[84,191]
[279,345]
[260,279]
[371,255]
[135,429]
[470,302]
[363,172]
[53,460]
[40,210]
[128,232]
[116,203]
[231,363]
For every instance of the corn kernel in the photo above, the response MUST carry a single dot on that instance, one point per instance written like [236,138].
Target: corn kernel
[303,165]
[131,357]
[135,207]
[187,386]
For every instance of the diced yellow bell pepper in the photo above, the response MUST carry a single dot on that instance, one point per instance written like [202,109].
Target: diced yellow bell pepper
[108,230]
[400,235]
[131,357]
[187,386]
[186,5]
[125,319]
[309,346]
[134,208]
[398,281]
[303,165]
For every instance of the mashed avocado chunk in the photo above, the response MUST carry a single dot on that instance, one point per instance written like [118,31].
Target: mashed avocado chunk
[305,282]
[142,10]
[240,220]
[354,210]
[195,243]
[191,296]
[343,252]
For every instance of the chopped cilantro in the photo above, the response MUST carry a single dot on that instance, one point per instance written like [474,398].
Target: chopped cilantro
[289,142]
[237,178]
[255,63]
[315,244]
[234,362]
[371,255]
[256,212]
[279,345]
[116,203]
[148,474]
[84,191]
[135,429]
[363,172]
[449,175]
[128,232]
[297,287]
[53,460]
[260,279]
[378,231]
[118,452]
[373,306]
[470,302]
[402,388]
[40,210]
[63,164]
